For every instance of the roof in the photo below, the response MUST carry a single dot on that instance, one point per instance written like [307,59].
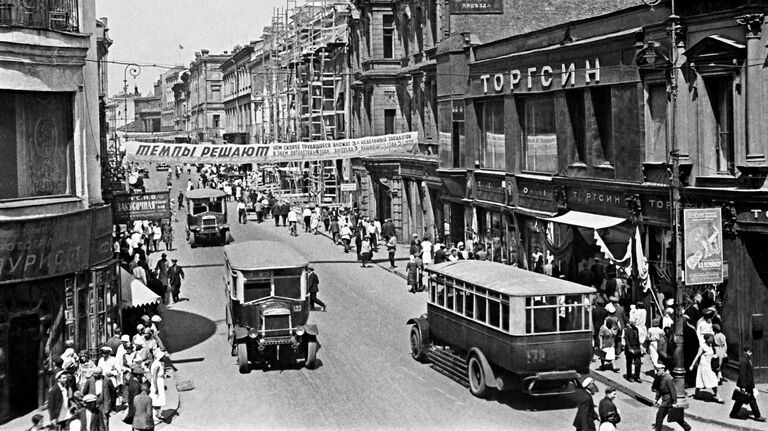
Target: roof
[255,255]
[205,193]
[508,279]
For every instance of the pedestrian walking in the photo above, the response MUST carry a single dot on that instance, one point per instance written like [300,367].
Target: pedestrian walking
[168,235]
[161,269]
[608,412]
[346,235]
[142,406]
[334,229]
[313,284]
[314,222]
[307,216]
[415,245]
[391,249]
[585,406]
[607,348]
[633,352]
[387,229]
[412,273]
[276,212]
[157,235]
[366,251]
[59,396]
[721,352]
[175,276]
[293,220]
[242,218]
[666,401]
[132,389]
[285,208]
[258,207]
[326,216]
[745,388]
[705,377]
[157,382]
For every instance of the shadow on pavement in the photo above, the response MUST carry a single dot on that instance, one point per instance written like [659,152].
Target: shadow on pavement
[520,401]
[184,330]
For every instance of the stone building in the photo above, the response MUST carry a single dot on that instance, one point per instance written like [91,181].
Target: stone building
[237,94]
[57,276]
[167,100]
[204,101]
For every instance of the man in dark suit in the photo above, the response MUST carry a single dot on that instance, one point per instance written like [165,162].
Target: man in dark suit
[312,287]
[142,404]
[585,406]
[746,384]
[58,401]
[104,391]
[666,399]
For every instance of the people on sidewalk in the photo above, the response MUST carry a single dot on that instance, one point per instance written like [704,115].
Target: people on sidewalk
[175,276]
[608,412]
[585,406]
[633,352]
[157,381]
[366,250]
[705,377]
[745,388]
[142,403]
[666,401]
[607,348]
[391,249]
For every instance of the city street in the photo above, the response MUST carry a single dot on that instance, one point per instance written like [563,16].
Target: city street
[366,380]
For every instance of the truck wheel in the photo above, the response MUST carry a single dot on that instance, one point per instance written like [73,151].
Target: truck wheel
[476,377]
[418,349]
[192,239]
[242,358]
[311,355]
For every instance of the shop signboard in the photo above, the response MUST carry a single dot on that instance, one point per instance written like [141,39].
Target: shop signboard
[703,251]
[141,206]
[490,188]
[477,6]
[348,187]
[40,247]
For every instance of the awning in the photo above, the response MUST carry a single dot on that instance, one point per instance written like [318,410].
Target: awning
[135,293]
[582,219]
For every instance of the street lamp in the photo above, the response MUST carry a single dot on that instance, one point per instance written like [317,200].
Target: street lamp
[134,70]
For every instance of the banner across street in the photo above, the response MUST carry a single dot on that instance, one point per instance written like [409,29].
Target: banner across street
[268,153]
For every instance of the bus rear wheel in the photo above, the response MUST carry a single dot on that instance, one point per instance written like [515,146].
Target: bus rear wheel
[242,359]
[476,377]
[418,349]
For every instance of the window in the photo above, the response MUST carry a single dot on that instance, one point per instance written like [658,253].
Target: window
[480,306]
[389,121]
[450,293]
[556,314]
[505,314]
[720,91]
[37,144]
[460,300]
[657,105]
[539,133]
[256,289]
[469,304]
[217,121]
[490,117]
[574,99]
[388,24]
[601,103]
[288,287]
[457,135]
[494,308]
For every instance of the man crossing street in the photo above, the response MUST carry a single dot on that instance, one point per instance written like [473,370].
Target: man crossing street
[312,286]
[175,276]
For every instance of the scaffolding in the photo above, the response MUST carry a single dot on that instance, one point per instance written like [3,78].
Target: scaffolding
[308,86]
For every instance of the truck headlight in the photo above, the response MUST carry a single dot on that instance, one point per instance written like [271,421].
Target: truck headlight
[300,331]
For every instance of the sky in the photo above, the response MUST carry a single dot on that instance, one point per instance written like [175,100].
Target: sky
[150,32]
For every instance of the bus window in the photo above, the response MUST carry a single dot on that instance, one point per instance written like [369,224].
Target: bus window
[432,288]
[469,304]
[449,292]
[493,312]
[288,287]
[505,314]
[198,207]
[215,206]
[440,294]
[480,306]
[460,300]
[256,289]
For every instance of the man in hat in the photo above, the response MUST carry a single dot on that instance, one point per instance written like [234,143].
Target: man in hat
[108,364]
[59,401]
[161,269]
[415,245]
[92,417]
[387,229]
[609,413]
[746,387]
[666,400]
[312,287]
[585,406]
[103,389]
[175,276]
[633,353]
[440,256]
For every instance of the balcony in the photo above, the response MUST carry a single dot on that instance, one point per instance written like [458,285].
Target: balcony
[58,15]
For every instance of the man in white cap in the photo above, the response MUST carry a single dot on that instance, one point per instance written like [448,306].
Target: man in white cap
[103,389]
[58,401]
[585,406]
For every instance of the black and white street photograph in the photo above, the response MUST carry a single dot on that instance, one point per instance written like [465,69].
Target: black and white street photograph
[410,215]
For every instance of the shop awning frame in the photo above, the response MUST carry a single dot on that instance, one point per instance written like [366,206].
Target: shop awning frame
[588,220]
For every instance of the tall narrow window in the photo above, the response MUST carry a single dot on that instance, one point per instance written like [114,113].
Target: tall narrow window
[574,99]
[406,36]
[657,139]
[720,91]
[491,122]
[389,121]
[601,103]
[389,36]
[540,136]
[457,136]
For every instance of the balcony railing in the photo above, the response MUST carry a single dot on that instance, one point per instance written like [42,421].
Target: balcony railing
[61,15]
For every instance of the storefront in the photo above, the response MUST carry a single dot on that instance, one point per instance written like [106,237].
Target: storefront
[58,281]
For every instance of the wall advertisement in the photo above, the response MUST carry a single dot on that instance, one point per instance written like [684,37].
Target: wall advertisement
[703,251]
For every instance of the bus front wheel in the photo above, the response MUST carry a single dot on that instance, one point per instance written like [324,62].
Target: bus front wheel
[311,355]
[242,358]
[476,377]
[418,349]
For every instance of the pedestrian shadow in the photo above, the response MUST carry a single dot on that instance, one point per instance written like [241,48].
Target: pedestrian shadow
[183,330]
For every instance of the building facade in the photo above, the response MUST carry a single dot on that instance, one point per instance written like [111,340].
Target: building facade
[57,276]
[204,101]
[167,100]
[237,94]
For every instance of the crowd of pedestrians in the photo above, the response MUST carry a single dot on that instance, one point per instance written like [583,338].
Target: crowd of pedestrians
[127,375]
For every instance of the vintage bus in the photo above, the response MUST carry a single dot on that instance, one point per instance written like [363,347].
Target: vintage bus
[268,305]
[207,216]
[492,327]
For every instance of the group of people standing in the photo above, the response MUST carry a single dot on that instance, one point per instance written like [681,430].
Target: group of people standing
[128,374]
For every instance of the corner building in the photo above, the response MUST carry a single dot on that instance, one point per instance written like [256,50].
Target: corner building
[57,276]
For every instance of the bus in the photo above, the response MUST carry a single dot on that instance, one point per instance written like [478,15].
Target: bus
[492,327]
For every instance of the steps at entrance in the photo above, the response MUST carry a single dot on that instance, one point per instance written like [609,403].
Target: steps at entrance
[449,364]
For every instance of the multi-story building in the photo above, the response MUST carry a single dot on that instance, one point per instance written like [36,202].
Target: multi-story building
[180,101]
[57,276]
[103,42]
[204,101]
[167,101]
[148,111]
[237,94]
[121,110]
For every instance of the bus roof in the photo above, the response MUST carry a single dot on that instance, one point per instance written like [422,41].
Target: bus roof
[205,193]
[256,255]
[507,279]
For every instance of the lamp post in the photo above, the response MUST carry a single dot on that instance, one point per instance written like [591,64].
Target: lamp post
[134,70]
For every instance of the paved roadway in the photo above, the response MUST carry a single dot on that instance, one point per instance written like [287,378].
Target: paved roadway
[366,380]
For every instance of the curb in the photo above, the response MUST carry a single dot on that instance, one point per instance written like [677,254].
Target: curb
[649,402]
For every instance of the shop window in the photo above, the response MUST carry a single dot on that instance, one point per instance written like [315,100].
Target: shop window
[36,143]
[490,117]
[388,39]
[657,138]
[720,91]
[574,99]
[389,121]
[540,134]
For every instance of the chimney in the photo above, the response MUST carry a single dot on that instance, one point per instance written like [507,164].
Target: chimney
[204,52]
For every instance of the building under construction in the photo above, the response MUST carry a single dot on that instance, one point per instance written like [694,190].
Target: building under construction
[301,90]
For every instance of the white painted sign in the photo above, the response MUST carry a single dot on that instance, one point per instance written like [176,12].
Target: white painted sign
[348,187]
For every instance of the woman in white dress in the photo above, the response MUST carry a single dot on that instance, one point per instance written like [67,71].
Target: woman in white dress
[157,382]
[654,335]
[705,377]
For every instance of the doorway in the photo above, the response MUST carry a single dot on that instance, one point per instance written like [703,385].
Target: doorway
[23,355]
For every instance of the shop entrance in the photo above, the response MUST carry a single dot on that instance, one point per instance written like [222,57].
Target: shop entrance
[23,354]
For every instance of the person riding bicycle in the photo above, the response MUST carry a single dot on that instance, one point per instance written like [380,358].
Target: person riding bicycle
[293,219]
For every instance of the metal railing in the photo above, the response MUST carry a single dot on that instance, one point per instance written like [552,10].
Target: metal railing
[60,15]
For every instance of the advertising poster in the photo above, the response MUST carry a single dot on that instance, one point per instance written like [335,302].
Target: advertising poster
[703,246]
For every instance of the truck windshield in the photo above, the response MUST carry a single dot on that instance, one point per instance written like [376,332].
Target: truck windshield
[256,289]
[288,287]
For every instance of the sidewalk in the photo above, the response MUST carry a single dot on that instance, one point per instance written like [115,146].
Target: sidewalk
[702,410]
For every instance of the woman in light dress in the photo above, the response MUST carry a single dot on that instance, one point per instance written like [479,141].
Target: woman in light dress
[705,377]
[654,335]
[157,382]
